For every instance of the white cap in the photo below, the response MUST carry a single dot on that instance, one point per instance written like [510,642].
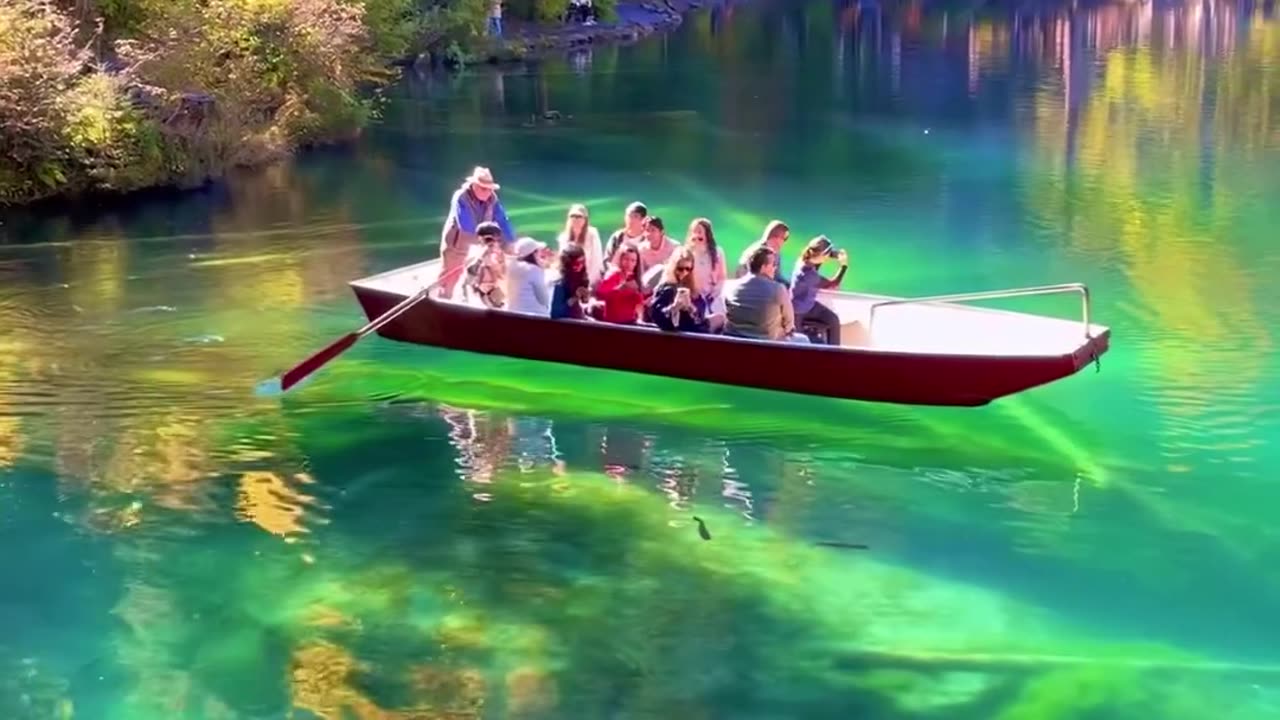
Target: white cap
[527,245]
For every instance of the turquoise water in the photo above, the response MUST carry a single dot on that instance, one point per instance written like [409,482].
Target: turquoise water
[426,534]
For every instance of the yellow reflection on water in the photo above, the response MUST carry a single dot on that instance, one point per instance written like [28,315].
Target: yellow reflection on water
[989,50]
[1152,184]
[97,273]
[166,457]
[266,500]
[12,440]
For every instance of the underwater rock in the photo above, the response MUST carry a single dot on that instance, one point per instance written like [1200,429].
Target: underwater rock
[30,692]
[462,631]
[921,692]
[228,664]
[323,616]
[447,689]
[530,690]
[318,679]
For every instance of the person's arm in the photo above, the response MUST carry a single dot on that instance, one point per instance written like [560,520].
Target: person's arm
[500,217]
[461,211]
[595,255]
[632,295]
[559,302]
[826,284]
[539,280]
[721,273]
[782,280]
[662,302]
[788,312]
[742,269]
[610,285]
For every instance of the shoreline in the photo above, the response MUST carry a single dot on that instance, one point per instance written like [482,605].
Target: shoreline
[524,40]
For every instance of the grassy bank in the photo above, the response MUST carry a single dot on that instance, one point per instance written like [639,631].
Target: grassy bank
[120,95]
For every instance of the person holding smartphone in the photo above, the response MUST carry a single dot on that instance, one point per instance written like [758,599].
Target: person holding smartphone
[806,281]
[571,294]
[678,306]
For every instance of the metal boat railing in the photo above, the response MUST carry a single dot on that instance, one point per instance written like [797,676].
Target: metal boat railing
[992,295]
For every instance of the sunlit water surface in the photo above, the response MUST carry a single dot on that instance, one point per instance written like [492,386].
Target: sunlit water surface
[425,534]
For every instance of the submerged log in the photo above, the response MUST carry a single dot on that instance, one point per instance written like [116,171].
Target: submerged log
[1022,663]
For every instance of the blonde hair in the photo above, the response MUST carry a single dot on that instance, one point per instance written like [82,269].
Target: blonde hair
[775,227]
[685,254]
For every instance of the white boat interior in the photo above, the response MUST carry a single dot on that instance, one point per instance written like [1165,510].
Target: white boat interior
[935,325]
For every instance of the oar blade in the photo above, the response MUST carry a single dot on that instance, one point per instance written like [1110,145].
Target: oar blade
[268,388]
[305,368]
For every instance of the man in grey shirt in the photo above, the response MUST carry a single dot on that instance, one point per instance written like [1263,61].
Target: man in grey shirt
[757,305]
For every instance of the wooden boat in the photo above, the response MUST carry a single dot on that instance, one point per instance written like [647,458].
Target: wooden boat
[920,351]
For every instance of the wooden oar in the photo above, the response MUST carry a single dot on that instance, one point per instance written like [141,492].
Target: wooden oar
[304,369]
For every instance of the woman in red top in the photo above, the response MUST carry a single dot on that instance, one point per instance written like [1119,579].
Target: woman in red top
[620,288]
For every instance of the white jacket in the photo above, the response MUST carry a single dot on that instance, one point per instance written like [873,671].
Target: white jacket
[527,290]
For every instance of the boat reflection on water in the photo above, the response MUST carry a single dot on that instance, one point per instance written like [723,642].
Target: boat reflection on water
[488,443]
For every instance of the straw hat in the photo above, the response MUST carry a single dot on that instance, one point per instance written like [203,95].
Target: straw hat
[482,177]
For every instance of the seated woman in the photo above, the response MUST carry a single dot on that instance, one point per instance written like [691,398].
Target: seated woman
[487,272]
[578,230]
[572,292]
[677,304]
[806,281]
[709,264]
[620,291]
[527,278]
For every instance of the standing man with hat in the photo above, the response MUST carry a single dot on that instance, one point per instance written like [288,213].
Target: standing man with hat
[474,203]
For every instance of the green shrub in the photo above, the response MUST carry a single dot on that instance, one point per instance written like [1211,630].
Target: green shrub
[122,17]
[282,71]
[265,75]
[115,147]
[393,26]
[68,127]
[541,10]
[451,23]
[607,9]
[39,65]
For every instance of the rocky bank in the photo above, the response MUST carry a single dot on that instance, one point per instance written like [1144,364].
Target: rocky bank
[524,40]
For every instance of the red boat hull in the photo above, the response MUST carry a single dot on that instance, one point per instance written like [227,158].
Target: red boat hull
[847,373]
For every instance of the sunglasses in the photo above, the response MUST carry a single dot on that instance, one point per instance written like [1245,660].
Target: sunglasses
[684,268]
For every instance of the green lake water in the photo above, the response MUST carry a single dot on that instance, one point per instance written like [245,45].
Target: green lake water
[426,534]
